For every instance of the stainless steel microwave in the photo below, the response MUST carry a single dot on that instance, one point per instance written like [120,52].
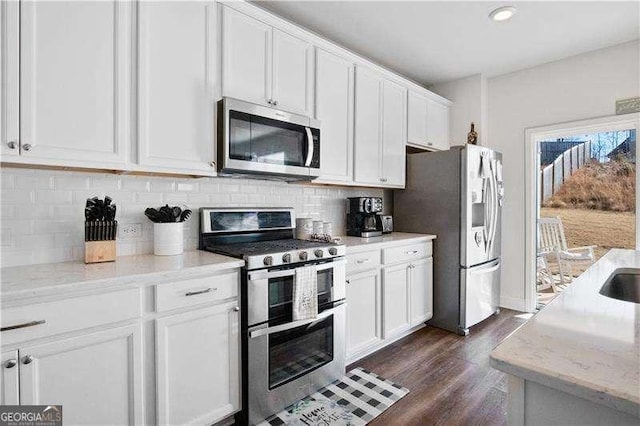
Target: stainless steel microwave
[258,140]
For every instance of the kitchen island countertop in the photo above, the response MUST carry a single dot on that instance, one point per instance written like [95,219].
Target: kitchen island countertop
[582,343]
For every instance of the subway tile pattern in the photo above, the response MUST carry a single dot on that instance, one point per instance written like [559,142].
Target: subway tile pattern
[42,211]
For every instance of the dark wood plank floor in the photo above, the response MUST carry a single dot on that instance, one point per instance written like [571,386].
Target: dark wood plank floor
[449,376]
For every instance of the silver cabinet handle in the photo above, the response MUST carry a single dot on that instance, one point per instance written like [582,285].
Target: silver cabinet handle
[275,102]
[27,359]
[412,252]
[212,164]
[429,143]
[347,281]
[25,325]
[270,101]
[360,261]
[10,363]
[27,147]
[236,309]
[12,144]
[195,293]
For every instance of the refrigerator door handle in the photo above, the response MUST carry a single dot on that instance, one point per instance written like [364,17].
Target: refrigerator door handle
[494,205]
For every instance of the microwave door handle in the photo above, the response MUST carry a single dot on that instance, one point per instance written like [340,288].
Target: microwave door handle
[288,326]
[309,147]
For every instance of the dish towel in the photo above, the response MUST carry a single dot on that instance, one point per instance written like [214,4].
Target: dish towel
[305,293]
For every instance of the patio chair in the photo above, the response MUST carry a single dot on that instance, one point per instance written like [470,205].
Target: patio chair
[552,245]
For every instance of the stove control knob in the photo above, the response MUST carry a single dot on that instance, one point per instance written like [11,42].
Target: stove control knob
[333,251]
[268,260]
[319,253]
[286,258]
[303,255]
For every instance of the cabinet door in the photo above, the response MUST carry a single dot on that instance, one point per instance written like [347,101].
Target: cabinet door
[292,73]
[175,84]
[9,79]
[334,109]
[417,120]
[395,299]
[437,126]
[368,127]
[363,310]
[246,58]
[9,385]
[96,377]
[75,67]
[198,365]
[394,125]
[421,294]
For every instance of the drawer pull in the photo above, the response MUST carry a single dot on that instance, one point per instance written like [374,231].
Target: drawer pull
[194,293]
[10,363]
[25,325]
[27,359]
[412,252]
[361,261]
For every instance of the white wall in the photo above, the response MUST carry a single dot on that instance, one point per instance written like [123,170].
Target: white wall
[576,88]
[42,211]
[469,97]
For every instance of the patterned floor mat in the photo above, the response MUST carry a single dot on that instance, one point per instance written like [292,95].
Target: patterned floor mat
[355,399]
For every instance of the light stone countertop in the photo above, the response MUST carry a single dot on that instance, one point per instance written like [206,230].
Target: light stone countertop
[357,244]
[22,283]
[582,343]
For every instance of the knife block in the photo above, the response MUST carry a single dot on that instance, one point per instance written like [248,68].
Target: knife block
[99,251]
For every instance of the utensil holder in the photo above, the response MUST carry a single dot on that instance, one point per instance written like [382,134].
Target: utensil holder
[100,241]
[168,238]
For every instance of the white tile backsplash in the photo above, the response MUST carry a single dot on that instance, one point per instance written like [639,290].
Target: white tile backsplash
[42,211]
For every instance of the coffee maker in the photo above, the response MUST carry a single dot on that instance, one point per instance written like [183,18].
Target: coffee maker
[363,217]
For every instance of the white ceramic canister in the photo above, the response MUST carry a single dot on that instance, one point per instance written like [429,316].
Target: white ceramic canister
[168,238]
[317,227]
[304,227]
[327,228]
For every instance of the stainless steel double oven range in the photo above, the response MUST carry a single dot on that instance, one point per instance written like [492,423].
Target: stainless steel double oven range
[283,360]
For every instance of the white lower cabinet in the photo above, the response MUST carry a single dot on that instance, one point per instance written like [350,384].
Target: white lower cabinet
[9,389]
[390,299]
[395,284]
[97,377]
[198,368]
[363,310]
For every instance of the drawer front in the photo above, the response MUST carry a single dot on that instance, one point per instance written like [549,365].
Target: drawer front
[363,261]
[61,316]
[406,253]
[196,291]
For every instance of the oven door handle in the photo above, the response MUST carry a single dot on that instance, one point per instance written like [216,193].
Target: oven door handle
[265,275]
[288,326]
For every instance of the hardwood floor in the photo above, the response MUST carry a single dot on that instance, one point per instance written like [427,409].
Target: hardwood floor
[449,377]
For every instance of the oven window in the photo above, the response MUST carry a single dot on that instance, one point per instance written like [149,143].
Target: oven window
[263,140]
[281,294]
[296,352]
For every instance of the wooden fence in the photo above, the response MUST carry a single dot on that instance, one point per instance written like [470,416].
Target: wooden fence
[553,176]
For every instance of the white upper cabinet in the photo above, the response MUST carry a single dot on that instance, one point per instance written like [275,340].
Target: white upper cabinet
[380,129]
[417,120]
[175,85]
[264,65]
[246,58]
[334,109]
[75,94]
[368,127]
[9,79]
[427,123]
[394,119]
[437,126]
[292,88]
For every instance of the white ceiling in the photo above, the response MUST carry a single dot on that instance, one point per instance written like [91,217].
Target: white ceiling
[434,41]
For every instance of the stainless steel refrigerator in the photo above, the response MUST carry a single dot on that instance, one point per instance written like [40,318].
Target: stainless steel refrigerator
[457,195]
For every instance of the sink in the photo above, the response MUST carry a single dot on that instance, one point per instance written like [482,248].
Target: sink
[623,284]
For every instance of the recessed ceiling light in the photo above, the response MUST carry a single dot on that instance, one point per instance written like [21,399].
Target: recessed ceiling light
[503,13]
